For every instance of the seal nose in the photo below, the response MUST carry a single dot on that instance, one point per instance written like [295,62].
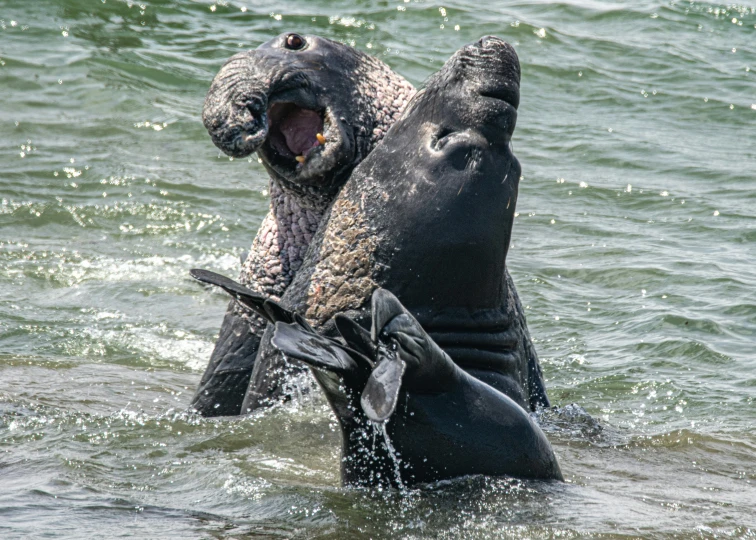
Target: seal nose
[489,42]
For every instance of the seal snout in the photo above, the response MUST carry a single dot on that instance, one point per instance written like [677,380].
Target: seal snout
[238,125]
[494,66]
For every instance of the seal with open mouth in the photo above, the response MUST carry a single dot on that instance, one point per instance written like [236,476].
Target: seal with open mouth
[312,109]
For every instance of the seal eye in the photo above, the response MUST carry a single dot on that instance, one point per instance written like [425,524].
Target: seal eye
[295,42]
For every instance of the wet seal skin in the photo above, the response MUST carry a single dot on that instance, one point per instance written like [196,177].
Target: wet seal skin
[408,413]
[312,109]
[428,215]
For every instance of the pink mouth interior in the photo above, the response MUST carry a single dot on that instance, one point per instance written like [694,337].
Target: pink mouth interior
[293,130]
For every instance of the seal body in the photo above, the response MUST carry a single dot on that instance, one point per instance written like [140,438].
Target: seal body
[428,215]
[433,420]
[312,109]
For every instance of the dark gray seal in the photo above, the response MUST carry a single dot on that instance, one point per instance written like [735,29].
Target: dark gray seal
[312,109]
[428,215]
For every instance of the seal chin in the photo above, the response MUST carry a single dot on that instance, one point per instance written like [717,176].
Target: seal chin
[303,145]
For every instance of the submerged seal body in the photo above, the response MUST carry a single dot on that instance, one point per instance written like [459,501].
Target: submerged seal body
[428,215]
[312,109]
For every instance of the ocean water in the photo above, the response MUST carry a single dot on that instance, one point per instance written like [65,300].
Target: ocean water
[633,252]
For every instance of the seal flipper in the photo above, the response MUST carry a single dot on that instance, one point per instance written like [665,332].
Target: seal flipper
[245,296]
[401,339]
[381,393]
[277,313]
[355,335]
[385,307]
[266,308]
[317,351]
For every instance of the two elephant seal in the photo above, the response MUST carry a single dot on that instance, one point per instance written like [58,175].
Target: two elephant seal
[370,96]
[428,215]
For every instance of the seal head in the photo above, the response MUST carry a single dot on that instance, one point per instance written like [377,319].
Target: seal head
[309,106]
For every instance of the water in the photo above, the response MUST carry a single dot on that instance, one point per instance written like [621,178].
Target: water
[633,252]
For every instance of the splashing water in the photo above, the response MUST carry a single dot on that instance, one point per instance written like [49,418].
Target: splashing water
[380,428]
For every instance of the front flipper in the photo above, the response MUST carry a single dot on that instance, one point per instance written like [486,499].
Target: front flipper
[301,342]
[402,340]
[381,393]
[266,308]
[355,335]
[224,384]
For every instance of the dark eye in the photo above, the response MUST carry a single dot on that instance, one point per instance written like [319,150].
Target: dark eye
[294,42]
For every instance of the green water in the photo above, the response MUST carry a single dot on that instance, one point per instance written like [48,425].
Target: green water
[633,252]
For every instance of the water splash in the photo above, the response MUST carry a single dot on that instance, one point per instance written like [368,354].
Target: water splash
[380,428]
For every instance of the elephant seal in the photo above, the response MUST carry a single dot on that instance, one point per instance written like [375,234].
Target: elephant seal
[312,109]
[428,215]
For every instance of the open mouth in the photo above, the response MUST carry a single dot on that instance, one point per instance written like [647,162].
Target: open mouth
[295,134]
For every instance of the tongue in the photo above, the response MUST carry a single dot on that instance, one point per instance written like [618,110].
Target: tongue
[300,128]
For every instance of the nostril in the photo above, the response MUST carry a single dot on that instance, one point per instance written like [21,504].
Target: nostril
[488,41]
[255,105]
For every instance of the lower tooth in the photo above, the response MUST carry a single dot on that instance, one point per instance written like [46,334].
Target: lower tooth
[300,159]
[320,138]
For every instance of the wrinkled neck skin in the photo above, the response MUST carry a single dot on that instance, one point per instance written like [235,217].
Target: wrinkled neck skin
[284,236]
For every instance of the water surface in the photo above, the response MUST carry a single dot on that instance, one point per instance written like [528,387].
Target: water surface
[632,252]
